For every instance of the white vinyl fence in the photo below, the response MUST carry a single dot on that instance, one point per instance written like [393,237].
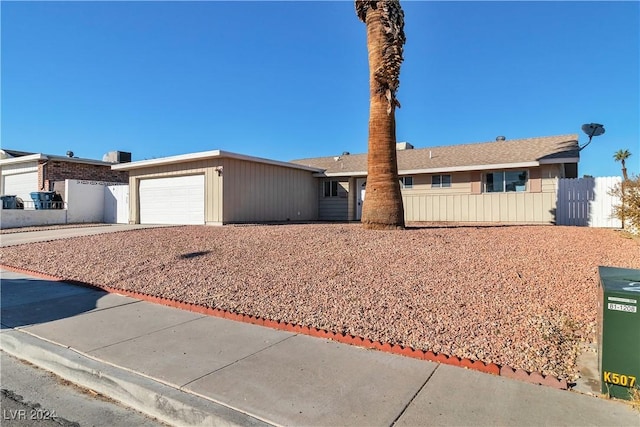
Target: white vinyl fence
[587,202]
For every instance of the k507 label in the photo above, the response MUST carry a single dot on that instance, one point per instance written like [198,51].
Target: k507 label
[619,379]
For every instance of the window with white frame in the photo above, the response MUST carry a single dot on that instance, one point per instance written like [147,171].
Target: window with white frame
[330,188]
[406,182]
[505,181]
[440,181]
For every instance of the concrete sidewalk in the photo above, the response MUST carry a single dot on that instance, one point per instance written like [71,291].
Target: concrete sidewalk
[188,369]
[20,238]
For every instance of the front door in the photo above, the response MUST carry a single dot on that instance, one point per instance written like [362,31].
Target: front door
[361,183]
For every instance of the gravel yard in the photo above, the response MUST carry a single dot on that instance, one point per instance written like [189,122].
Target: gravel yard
[524,296]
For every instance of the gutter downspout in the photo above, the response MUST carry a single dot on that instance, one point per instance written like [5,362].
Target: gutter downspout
[44,174]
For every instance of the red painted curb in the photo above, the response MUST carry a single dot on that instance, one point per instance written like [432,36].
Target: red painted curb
[476,365]
[533,377]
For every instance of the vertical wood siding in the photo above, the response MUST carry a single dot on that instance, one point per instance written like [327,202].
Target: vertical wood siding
[462,202]
[243,192]
[335,208]
[258,192]
[487,207]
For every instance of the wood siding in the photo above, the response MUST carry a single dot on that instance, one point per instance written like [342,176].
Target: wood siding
[335,208]
[242,191]
[464,201]
[460,183]
[488,207]
[258,192]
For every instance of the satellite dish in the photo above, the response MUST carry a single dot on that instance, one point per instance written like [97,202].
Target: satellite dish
[593,129]
[69,153]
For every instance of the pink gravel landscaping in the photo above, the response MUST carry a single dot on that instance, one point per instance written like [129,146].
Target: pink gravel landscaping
[524,296]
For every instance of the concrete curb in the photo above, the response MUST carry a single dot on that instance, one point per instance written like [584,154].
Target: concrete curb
[148,396]
[477,365]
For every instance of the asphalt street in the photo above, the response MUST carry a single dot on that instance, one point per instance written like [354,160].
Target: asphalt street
[35,397]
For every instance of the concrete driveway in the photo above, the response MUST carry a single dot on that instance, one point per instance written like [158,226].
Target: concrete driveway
[12,239]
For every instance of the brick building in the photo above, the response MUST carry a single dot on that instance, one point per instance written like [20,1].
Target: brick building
[23,172]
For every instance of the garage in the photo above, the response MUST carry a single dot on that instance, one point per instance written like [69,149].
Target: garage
[172,200]
[219,187]
[20,184]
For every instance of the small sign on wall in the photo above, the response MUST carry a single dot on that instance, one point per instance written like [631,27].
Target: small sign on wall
[86,182]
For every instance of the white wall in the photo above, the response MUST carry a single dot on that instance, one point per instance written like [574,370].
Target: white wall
[85,200]
[116,204]
[12,218]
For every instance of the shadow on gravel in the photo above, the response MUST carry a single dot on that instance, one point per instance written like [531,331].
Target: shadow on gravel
[26,302]
[194,254]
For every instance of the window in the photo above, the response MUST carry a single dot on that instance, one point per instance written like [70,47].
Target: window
[406,182]
[330,188]
[506,181]
[439,181]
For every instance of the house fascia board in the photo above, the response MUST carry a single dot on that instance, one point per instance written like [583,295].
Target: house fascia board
[237,156]
[470,168]
[183,158]
[443,169]
[559,160]
[23,159]
[40,156]
[332,174]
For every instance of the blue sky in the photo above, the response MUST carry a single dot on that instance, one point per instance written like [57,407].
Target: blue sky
[288,80]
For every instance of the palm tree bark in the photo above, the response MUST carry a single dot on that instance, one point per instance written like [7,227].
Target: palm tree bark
[383,207]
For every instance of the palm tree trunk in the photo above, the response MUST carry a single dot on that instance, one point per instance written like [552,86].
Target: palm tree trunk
[625,178]
[383,208]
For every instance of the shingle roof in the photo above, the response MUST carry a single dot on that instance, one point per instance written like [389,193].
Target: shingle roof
[475,156]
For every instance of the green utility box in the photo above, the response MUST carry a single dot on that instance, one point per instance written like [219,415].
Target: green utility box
[619,357]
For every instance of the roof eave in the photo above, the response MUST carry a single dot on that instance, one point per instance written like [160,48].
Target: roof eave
[238,156]
[454,168]
[181,158]
[204,155]
[471,168]
[40,156]
[559,160]
[23,159]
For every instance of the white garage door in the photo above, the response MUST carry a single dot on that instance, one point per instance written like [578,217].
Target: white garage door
[21,185]
[176,200]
